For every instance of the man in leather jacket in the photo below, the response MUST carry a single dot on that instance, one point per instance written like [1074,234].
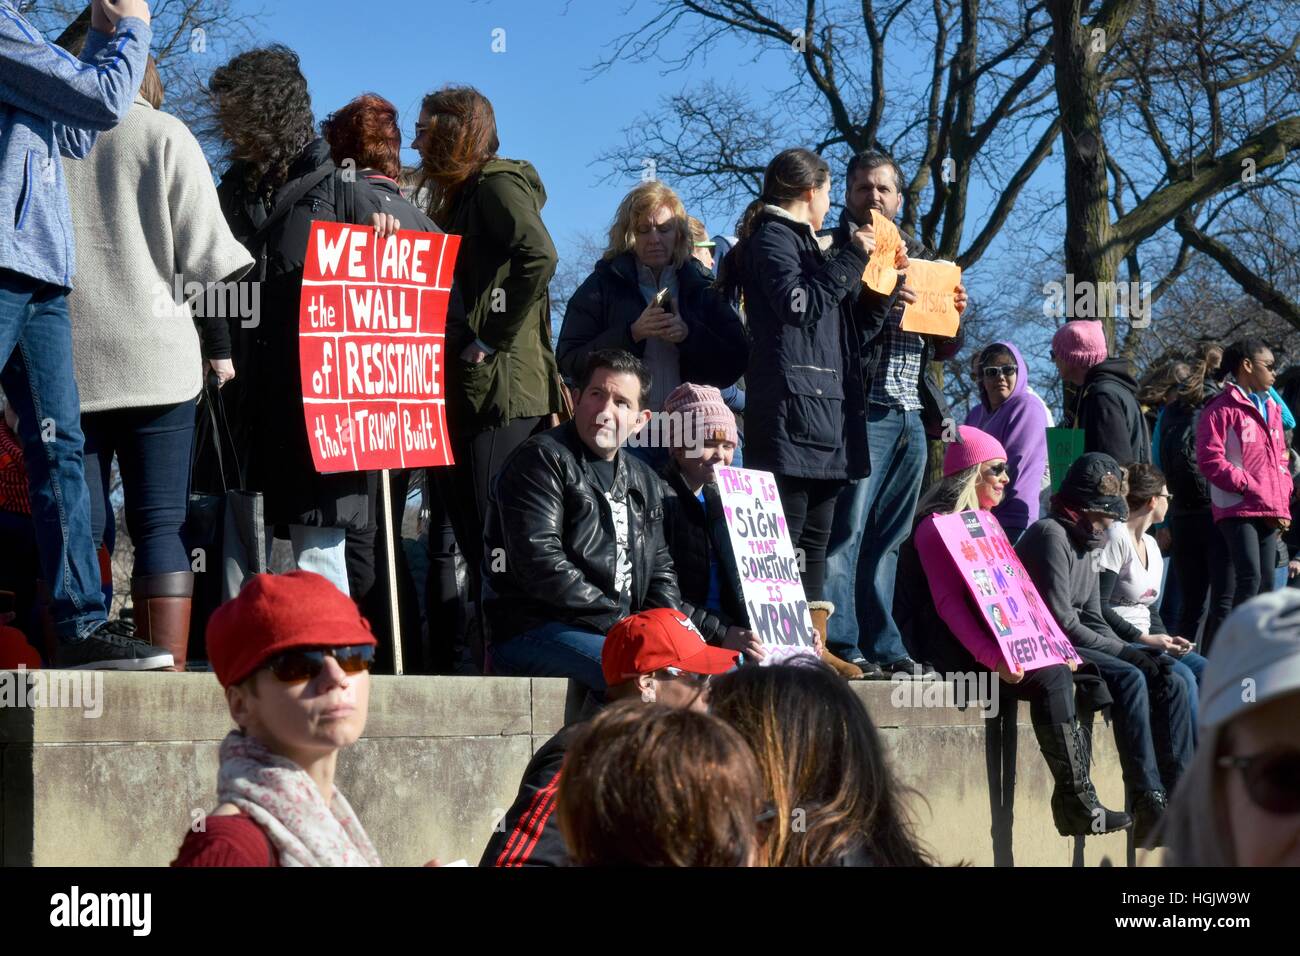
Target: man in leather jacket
[574,538]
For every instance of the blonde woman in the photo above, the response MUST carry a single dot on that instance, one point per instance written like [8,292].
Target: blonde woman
[1239,802]
[648,295]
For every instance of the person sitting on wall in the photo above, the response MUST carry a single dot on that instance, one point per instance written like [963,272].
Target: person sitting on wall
[574,539]
[298,687]
[941,623]
[1151,712]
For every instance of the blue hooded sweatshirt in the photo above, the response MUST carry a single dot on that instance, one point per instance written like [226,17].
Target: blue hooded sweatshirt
[53,104]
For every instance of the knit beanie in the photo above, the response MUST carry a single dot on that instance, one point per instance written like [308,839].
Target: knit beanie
[1080,343]
[703,415]
[972,447]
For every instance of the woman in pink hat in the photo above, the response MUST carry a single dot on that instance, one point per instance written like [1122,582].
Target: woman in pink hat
[298,687]
[941,624]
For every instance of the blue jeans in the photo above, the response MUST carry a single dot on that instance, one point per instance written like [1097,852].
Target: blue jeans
[1190,667]
[1154,740]
[37,377]
[153,452]
[873,517]
[322,551]
[555,649]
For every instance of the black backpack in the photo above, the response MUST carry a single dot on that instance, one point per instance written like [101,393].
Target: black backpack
[1188,486]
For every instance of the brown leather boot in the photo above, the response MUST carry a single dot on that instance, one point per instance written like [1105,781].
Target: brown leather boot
[162,612]
[821,612]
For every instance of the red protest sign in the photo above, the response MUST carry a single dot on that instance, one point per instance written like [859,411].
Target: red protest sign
[371,334]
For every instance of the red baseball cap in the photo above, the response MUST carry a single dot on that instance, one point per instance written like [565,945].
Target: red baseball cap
[276,612]
[652,640]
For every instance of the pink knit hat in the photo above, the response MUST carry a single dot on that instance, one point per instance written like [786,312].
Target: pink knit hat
[1080,343]
[703,413]
[972,447]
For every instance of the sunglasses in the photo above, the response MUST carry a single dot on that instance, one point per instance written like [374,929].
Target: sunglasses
[1272,779]
[997,471]
[302,664]
[1000,371]
[699,680]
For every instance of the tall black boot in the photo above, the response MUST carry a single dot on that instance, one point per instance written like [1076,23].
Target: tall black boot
[1148,810]
[1076,811]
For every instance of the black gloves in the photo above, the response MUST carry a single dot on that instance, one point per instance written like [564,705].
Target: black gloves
[1156,666]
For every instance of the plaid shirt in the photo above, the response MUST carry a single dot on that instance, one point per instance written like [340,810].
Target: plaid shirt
[896,383]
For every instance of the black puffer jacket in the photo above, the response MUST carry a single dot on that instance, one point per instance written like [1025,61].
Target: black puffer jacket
[265,397]
[1108,411]
[601,313]
[870,312]
[805,407]
[687,528]
[550,543]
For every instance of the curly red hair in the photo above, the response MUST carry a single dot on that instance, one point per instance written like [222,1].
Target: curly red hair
[365,131]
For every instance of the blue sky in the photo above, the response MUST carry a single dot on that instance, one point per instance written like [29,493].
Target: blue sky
[550,109]
[547,110]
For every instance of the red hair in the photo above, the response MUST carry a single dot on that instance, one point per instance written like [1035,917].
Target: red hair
[365,131]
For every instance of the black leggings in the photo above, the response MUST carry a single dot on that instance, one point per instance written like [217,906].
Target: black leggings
[1194,561]
[1049,691]
[809,505]
[1252,553]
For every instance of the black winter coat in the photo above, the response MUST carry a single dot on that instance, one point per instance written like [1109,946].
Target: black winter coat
[265,397]
[1108,411]
[557,548]
[1191,492]
[687,531]
[805,407]
[528,834]
[601,313]
[870,312]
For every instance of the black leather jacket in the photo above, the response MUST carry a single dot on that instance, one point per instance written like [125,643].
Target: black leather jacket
[550,544]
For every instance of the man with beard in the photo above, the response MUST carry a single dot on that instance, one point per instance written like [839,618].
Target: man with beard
[905,406]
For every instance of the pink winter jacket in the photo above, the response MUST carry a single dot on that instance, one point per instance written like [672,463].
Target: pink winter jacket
[951,599]
[1243,457]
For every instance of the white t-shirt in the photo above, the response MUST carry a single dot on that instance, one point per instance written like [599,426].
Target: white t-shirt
[1138,585]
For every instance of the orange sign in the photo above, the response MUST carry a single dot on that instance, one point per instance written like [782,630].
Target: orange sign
[933,312]
[880,274]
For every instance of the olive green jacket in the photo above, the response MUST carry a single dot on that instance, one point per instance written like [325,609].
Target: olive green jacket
[505,263]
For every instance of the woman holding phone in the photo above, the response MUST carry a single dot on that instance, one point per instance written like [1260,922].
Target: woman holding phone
[650,296]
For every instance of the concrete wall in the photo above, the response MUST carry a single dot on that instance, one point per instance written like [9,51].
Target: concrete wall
[440,761]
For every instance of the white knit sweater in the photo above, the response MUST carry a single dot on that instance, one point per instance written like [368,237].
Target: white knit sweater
[145,210]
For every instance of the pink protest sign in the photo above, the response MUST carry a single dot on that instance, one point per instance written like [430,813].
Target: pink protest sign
[766,560]
[1009,605]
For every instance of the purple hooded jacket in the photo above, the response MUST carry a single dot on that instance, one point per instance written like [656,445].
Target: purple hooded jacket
[1021,425]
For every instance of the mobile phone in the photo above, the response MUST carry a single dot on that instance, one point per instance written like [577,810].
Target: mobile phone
[663,298]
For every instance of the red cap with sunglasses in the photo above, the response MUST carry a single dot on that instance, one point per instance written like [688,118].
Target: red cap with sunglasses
[275,613]
[658,639]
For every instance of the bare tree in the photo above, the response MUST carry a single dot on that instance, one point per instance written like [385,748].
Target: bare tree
[1173,114]
[984,114]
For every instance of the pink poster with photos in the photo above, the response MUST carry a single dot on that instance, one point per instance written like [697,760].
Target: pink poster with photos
[1008,602]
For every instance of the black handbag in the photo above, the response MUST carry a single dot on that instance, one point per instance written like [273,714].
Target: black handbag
[224,532]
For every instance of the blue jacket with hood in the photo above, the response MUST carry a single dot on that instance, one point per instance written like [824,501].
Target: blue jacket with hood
[53,104]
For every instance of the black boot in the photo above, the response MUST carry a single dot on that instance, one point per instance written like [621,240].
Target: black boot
[1076,811]
[1148,810]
